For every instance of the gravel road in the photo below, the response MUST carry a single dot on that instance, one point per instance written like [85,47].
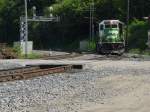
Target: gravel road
[104,86]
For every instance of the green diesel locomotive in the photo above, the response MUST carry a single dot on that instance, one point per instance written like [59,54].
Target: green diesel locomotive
[111,37]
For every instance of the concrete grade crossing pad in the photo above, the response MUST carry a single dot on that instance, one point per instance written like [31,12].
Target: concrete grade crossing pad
[87,64]
[35,62]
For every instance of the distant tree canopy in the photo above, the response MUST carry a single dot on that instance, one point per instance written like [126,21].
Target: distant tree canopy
[74,14]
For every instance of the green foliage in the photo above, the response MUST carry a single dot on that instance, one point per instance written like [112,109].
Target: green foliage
[135,51]
[146,52]
[73,45]
[138,34]
[17,50]
[92,45]
[79,9]
[139,51]
[74,21]
[31,56]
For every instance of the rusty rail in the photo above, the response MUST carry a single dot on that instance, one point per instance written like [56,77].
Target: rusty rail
[29,72]
[58,57]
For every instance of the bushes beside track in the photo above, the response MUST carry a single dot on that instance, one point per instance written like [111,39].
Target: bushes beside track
[138,34]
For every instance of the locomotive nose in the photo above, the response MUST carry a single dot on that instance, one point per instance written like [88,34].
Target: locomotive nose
[112,38]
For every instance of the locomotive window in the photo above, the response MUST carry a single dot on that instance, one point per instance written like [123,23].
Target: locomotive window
[114,26]
[101,27]
[107,26]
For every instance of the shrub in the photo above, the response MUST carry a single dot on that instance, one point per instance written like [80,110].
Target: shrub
[138,34]
[17,50]
[135,51]
[92,45]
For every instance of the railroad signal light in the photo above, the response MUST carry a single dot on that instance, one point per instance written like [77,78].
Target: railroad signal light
[51,11]
[24,23]
[34,11]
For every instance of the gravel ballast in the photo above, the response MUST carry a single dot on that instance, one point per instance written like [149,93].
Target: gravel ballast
[72,91]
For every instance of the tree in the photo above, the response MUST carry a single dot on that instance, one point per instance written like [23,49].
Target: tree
[74,24]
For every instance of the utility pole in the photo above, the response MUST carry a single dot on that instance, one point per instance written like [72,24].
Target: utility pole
[92,8]
[128,17]
[91,19]
[90,22]
[26,28]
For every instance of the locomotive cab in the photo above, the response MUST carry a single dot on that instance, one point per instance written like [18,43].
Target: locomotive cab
[111,37]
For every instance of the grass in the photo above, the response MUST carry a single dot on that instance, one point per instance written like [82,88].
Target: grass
[146,53]
[18,51]
[139,51]
[92,46]
[31,56]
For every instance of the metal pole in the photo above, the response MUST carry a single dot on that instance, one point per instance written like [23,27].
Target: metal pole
[26,30]
[90,22]
[128,17]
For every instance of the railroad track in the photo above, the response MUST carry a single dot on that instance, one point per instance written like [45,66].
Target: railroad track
[59,57]
[29,72]
[109,57]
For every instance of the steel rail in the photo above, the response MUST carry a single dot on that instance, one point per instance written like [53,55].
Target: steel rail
[29,72]
[62,56]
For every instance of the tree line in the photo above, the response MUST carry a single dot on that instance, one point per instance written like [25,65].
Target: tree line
[74,19]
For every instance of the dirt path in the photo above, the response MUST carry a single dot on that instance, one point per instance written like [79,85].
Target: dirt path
[133,95]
